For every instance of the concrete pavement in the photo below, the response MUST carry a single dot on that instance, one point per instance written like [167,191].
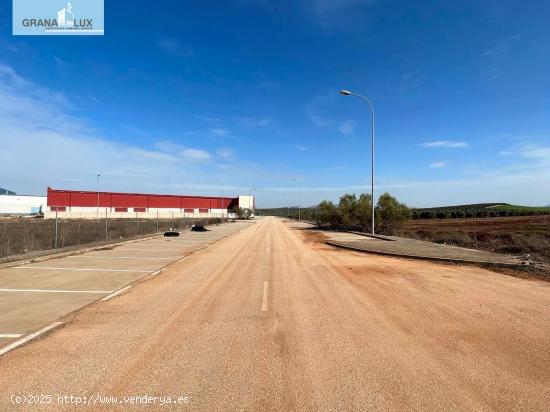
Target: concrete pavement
[34,294]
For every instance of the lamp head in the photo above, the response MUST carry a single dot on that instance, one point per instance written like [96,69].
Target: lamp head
[345,92]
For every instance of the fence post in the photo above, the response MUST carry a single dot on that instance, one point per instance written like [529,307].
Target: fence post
[137,224]
[106,226]
[55,241]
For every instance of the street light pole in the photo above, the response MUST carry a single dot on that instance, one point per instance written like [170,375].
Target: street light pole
[97,212]
[348,93]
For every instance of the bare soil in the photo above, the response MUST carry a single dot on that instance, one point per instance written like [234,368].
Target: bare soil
[518,235]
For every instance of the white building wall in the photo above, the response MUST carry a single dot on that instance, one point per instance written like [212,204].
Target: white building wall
[18,205]
[152,213]
[246,202]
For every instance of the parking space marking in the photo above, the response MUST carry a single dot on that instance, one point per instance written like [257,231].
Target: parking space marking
[53,291]
[148,250]
[81,269]
[10,335]
[122,257]
[28,338]
[178,245]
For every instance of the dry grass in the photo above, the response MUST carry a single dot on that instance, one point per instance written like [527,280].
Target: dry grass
[520,235]
[26,235]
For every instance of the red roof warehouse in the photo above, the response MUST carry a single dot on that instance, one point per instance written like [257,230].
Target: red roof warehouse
[79,198]
[85,204]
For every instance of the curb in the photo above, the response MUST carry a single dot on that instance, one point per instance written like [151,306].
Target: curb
[518,266]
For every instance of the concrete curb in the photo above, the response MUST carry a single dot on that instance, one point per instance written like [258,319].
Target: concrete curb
[380,237]
[517,266]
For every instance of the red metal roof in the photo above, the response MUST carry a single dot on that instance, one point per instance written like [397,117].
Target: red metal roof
[81,198]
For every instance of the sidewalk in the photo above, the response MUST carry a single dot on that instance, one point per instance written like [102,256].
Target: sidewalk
[418,249]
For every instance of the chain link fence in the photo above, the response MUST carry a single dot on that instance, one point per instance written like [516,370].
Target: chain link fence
[24,235]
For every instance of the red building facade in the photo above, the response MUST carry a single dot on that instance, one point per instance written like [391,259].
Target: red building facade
[77,200]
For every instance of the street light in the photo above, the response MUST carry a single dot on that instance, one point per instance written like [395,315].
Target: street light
[299,199]
[97,212]
[348,93]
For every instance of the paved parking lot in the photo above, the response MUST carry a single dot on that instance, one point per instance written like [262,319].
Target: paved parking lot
[34,295]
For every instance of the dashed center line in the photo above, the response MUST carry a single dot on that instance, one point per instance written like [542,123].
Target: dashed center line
[264,300]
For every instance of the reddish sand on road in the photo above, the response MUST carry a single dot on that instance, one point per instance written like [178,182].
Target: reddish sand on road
[271,318]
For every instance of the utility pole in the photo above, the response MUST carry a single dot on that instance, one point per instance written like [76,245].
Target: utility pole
[97,214]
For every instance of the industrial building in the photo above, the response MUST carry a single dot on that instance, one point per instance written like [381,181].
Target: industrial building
[89,205]
[21,205]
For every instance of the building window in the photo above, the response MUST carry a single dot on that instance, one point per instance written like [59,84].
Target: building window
[189,210]
[121,209]
[58,208]
[139,209]
[203,210]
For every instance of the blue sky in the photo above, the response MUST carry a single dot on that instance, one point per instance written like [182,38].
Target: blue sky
[180,97]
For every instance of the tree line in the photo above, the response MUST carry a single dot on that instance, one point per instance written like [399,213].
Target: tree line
[351,213]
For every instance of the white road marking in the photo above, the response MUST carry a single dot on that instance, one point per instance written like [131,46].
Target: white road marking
[148,250]
[54,291]
[264,300]
[122,257]
[116,293]
[79,269]
[28,338]
[10,335]
[179,245]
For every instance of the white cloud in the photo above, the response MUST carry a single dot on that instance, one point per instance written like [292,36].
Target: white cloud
[536,156]
[313,109]
[226,153]
[348,127]
[438,165]
[209,119]
[219,131]
[195,154]
[447,144]
[502,46]
[255,122]
[172,47]
[43,144]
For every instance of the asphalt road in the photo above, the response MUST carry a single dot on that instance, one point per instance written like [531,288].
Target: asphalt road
[270,318]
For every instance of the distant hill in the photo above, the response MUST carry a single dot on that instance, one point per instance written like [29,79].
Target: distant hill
[477,210]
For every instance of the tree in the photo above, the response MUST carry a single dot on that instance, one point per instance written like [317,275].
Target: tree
[327,214]
[391,213]
[239,211]
[347,208]
[363,210]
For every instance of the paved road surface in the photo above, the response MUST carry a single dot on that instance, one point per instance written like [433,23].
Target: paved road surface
[272,319]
